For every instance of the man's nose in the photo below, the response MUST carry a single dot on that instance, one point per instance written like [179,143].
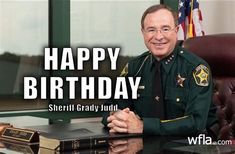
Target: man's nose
[158,35]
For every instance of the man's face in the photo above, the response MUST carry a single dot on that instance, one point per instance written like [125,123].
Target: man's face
[160,33]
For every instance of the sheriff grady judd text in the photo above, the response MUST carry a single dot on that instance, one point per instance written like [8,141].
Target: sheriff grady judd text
[81,108]
[53,87]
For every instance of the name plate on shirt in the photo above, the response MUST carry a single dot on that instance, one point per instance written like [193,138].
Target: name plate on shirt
[22,135]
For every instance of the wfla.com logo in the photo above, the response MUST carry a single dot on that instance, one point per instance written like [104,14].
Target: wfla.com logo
[202,139]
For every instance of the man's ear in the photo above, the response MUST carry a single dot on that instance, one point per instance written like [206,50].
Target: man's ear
[142,30]
[176,29]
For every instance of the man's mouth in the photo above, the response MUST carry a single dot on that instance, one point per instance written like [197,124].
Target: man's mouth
[159,44]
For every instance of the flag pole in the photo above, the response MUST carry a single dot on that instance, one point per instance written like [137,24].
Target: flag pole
[190,29]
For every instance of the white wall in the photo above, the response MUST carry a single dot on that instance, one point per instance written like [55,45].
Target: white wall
[109,23]
[218,16]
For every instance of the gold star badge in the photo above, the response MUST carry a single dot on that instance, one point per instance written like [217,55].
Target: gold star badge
[180,80]
[201,75]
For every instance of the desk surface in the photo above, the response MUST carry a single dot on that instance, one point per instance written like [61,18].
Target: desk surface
[149,145]
[146,145]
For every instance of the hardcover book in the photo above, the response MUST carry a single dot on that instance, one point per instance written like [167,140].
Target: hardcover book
[62,137]
[77,139]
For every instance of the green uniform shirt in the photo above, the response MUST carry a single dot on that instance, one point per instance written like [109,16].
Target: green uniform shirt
[187,89]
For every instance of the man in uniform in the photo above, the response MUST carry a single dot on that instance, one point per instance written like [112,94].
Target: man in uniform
[175,93]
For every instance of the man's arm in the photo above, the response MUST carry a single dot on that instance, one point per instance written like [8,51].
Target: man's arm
[193,121]
[122,104]
[195,117]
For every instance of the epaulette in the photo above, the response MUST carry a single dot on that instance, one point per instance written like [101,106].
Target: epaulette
[190,57]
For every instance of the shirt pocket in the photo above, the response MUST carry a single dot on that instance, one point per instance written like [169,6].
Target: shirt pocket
[143,103]
[176,100]
[144,91]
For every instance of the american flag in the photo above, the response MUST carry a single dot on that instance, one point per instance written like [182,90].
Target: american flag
[190,19]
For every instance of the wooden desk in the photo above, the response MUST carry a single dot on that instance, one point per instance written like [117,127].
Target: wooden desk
[150,144]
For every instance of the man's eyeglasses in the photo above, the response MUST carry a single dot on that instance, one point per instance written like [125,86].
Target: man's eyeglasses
[164,30]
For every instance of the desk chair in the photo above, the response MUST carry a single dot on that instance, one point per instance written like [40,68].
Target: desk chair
[219,52]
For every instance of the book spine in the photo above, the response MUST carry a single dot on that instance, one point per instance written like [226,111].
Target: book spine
[83,143]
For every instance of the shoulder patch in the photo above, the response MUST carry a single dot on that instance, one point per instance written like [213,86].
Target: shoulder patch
[201,75]
[124,71]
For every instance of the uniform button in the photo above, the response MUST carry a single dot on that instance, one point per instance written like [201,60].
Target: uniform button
[166,62]
[177,99]
[181,51]
[173,56]
[170,58]
[138,95]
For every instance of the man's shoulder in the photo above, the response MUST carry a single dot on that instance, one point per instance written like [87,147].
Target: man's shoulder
[190,57]
[135,64]
[201,70]
[138,60]
[141,57]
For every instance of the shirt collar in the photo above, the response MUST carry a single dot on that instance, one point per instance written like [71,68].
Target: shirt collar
[167,62]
